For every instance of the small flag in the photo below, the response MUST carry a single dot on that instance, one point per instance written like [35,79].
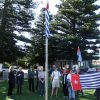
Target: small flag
[79,55]
[47,31]
[75,81]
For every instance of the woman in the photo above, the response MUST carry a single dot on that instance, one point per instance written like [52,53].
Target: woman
[41,77]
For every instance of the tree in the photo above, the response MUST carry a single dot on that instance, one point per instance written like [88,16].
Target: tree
[37,50]
[76,25]
[14,18]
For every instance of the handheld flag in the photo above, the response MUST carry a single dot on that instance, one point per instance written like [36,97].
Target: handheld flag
[79,55]
[75,81]
[90,80]
[47,31]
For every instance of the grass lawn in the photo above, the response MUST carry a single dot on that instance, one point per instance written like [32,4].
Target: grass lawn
[89,94]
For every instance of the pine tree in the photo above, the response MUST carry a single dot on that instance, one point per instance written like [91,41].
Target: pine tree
[36,51]
[76,25]
[12,19]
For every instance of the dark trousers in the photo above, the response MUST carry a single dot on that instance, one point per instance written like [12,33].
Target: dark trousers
[19,88]
[31,84]
[41,88]
[10,89]
[35,84]
[65,90]
[97,94]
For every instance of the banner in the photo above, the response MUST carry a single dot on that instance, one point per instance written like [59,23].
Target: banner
[90,80]
[75,81]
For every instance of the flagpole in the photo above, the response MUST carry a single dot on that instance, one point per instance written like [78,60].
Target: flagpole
[46,68]
[46,49]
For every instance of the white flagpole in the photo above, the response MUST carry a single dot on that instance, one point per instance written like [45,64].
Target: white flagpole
[46,68]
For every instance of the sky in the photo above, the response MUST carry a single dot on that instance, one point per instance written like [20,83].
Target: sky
[52,4]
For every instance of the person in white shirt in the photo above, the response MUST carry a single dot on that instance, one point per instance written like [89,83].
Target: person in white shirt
[70,90]
[55,80]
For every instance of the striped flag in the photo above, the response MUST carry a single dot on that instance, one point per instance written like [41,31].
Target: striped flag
[90,80]
[79,55]
[47,31]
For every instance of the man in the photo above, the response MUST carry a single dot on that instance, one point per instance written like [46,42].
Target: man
[55,80]
[98,90]
[19,80]
[70,90]
[11,82]
[31,79]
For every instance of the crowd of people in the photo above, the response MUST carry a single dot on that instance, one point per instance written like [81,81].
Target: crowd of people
[36,81]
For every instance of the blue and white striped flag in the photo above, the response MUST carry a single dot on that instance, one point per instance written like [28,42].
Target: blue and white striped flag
[90,80]
[47,31]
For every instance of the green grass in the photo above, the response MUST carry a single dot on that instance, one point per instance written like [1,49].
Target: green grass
[89,94]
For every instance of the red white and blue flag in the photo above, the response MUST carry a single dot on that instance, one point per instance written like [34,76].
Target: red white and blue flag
[79,55]
[47,31]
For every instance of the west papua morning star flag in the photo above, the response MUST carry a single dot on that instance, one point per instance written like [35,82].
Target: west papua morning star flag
[75,81]
[79,55]
[90,80]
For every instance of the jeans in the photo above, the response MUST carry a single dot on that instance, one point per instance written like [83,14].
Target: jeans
[71,93]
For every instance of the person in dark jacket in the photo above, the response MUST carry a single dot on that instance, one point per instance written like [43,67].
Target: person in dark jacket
[11,82]
[31,79]
[65,72]
[19,80]
[98,90]
[35,79]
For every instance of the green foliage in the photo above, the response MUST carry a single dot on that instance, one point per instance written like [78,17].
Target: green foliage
[37,50]
[76,25]
[15,17]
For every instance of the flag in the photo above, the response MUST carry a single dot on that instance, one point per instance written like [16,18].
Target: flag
[75,81]
[47,31]
[79,55]
[90,80]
